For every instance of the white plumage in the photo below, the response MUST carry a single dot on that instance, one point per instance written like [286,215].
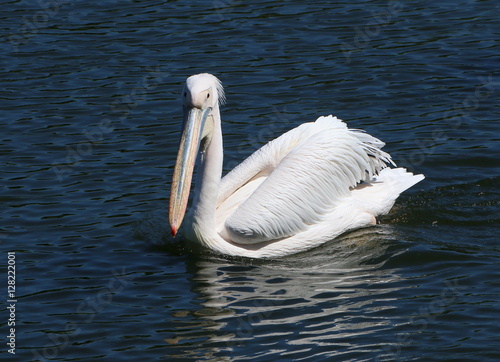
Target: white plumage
[300,190]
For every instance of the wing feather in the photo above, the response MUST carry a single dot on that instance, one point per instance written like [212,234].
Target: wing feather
[302,176]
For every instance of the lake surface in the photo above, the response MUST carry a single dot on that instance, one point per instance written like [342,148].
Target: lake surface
[90,126]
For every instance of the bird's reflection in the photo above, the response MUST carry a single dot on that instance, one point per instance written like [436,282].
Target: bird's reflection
[322,297]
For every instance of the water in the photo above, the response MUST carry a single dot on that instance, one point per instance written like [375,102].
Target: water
[90,124]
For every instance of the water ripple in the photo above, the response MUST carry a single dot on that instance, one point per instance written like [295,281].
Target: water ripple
[90,127]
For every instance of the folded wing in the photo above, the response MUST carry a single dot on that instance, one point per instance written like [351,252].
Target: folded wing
[292,182]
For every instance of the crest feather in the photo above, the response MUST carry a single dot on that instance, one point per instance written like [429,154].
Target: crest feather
[200,82]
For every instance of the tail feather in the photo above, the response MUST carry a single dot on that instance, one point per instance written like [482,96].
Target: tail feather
[378,196]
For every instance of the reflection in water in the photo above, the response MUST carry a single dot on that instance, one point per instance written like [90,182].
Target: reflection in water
[320,301]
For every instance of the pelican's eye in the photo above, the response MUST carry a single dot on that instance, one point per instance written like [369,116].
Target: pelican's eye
[208,95]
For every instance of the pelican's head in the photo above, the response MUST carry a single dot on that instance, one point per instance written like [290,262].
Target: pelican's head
[202,91]
[201,97]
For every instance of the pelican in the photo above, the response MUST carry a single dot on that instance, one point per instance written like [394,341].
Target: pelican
[302,189]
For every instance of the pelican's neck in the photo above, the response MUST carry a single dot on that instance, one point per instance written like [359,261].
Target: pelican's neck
[207,185]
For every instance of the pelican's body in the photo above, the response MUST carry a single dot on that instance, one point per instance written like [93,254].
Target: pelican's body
[298,191]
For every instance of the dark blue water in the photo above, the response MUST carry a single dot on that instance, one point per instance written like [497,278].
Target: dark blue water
[90,123]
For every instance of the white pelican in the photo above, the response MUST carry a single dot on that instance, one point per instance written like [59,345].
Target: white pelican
[300,190]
